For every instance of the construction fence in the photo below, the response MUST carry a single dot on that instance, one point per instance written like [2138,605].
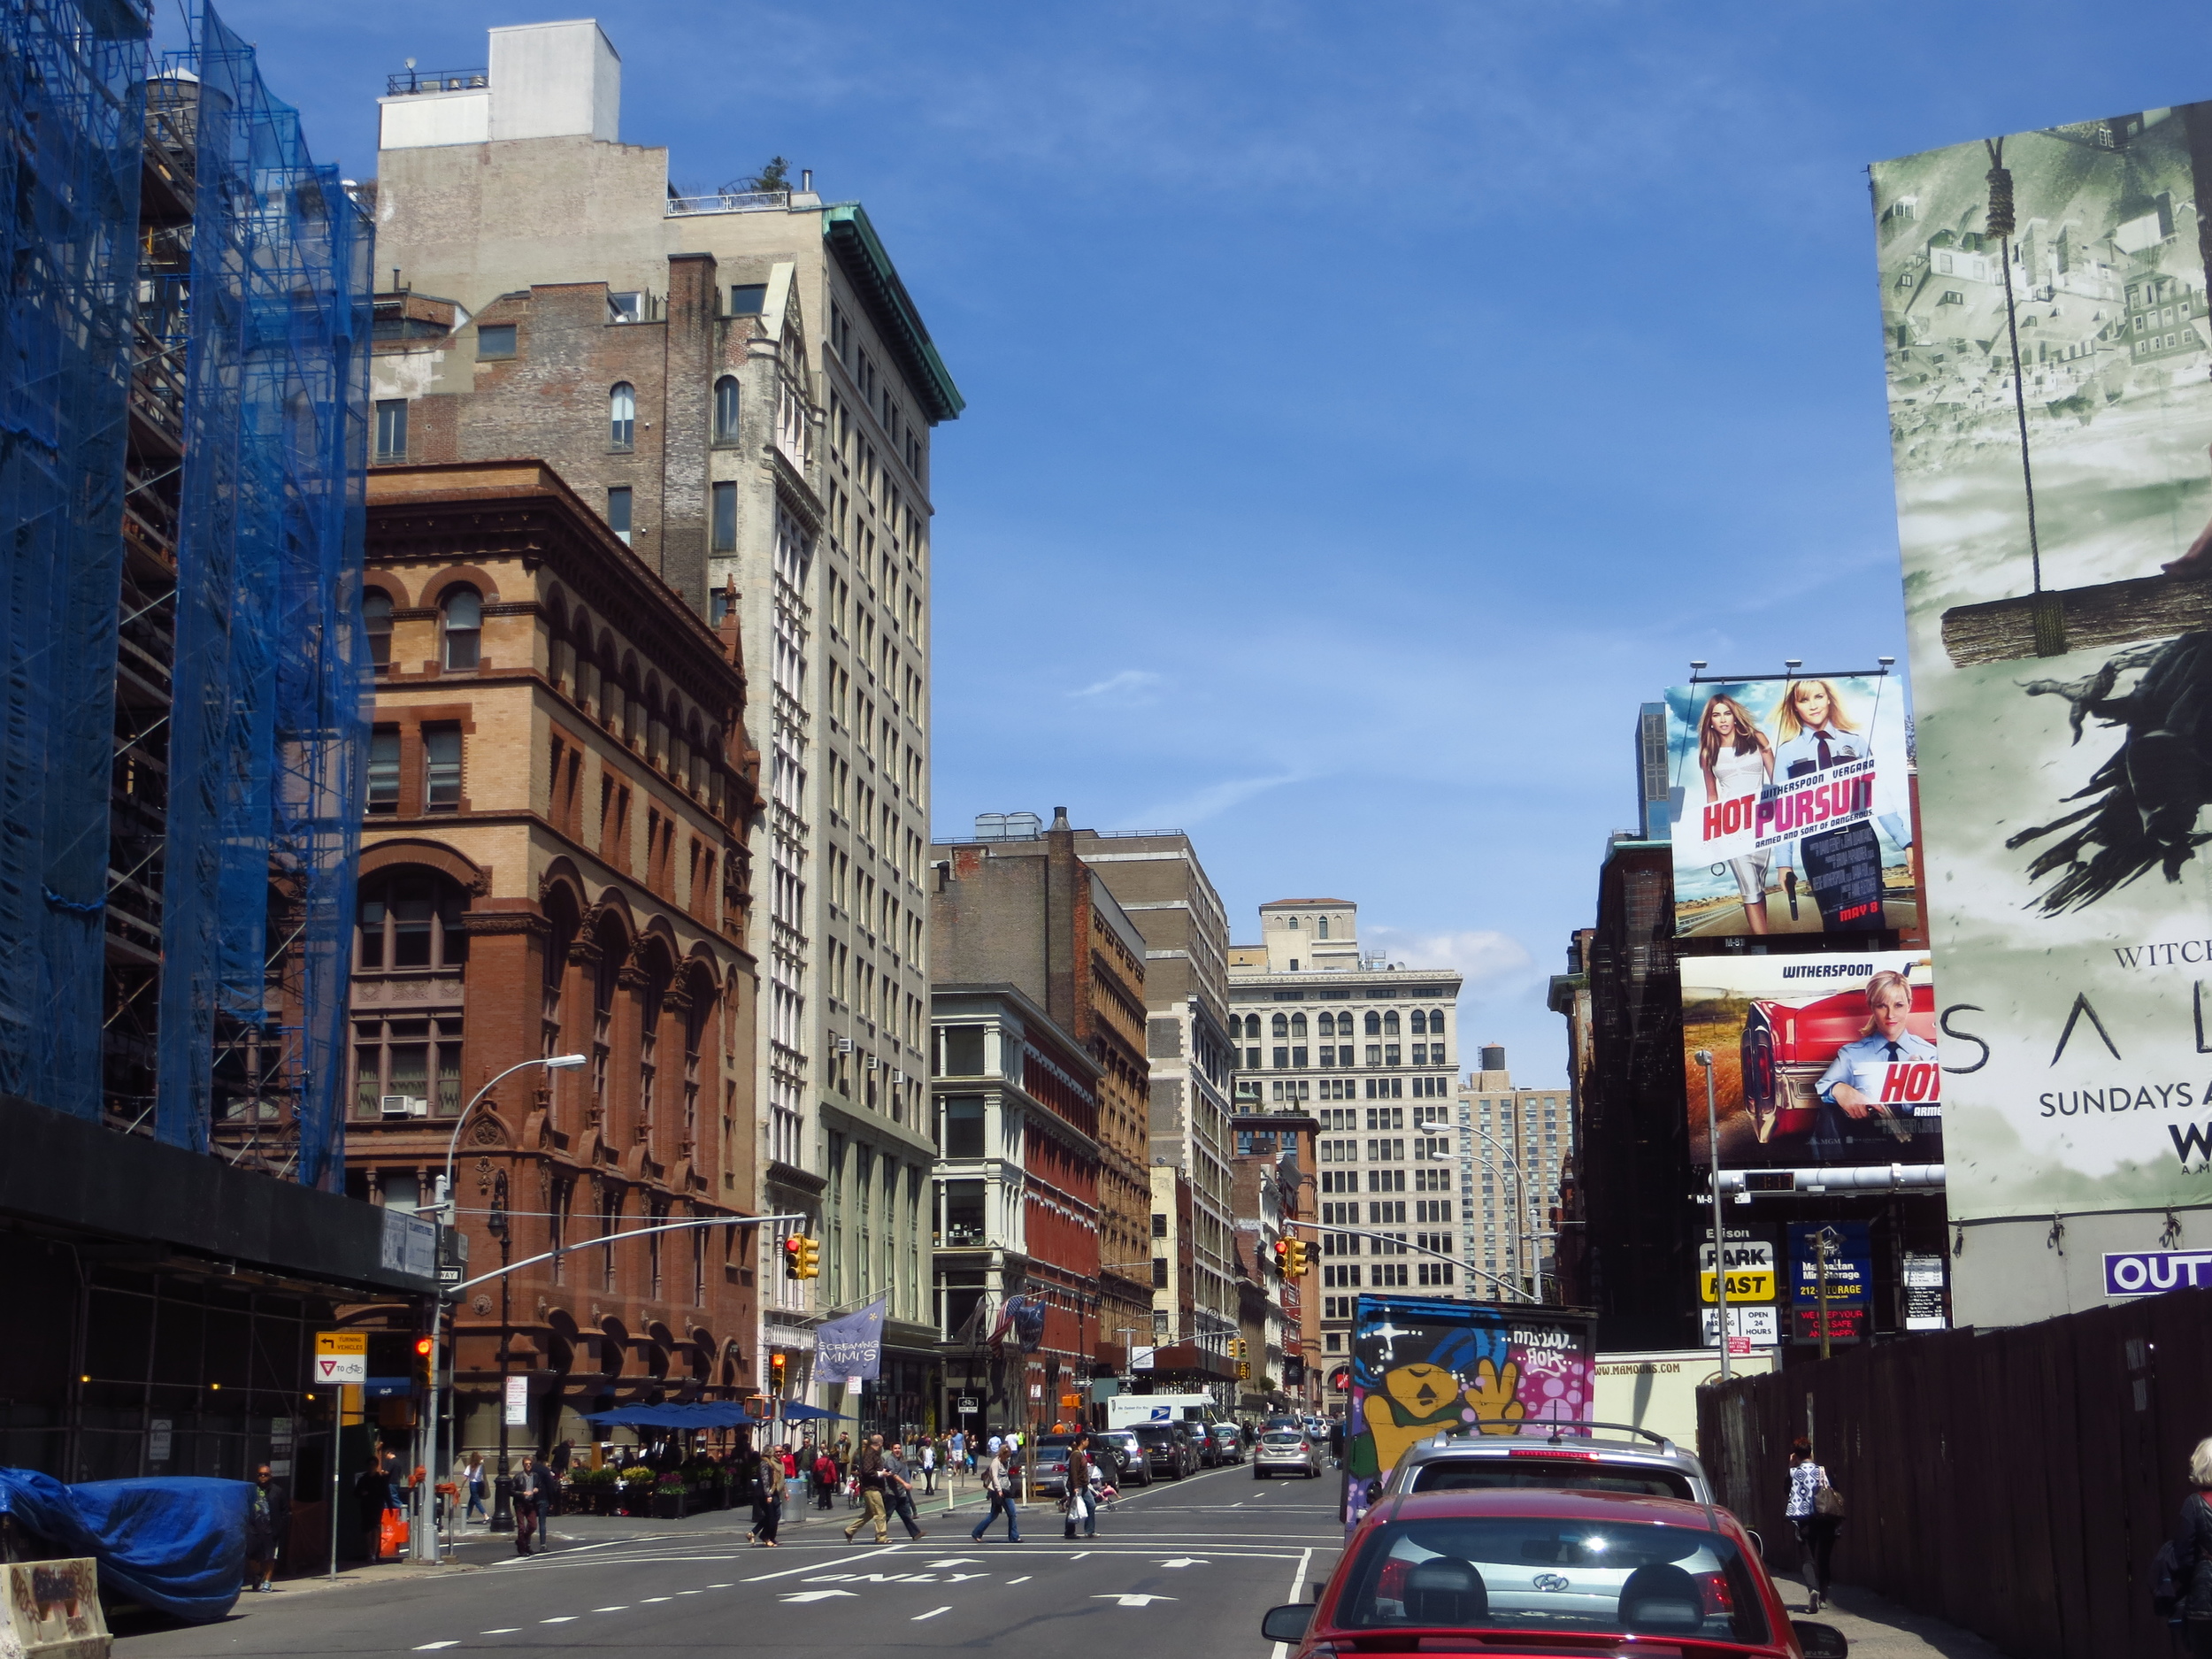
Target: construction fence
[2017,1483]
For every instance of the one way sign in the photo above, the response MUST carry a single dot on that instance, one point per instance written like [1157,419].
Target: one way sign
[341,1357]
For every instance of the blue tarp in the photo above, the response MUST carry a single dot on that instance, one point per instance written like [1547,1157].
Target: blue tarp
[177,1544]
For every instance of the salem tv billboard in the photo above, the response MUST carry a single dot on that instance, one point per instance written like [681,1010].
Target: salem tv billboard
[1817,1059]
[2050,393]
[1792,814]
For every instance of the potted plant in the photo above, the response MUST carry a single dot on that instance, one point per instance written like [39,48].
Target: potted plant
[669,1497]
[602,1489]
[636,1484]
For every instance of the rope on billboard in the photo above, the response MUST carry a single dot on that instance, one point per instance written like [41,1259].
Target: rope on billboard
[2049,615]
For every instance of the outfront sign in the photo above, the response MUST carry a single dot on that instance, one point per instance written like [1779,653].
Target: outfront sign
[2146,1272]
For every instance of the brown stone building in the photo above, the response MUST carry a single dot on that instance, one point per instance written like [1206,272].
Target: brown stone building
[1028,912]
[553,863]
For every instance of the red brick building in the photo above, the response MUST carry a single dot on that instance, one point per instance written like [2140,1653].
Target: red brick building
[553,863]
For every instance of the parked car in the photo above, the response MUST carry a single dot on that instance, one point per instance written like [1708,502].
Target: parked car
[1285,1451]
[1579,1457]
[1134,1468]
[1225,1441]
[1514,1566]
[1167,1449]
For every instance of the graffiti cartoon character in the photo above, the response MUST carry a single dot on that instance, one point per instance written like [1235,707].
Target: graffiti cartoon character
[1414,1402]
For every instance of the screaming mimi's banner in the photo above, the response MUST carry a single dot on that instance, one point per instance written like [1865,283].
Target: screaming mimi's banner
[1790,808]
[2050,392]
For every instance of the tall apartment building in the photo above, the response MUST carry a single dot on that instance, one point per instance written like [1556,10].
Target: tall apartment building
[1021,909]
[741,385]
[1516,1147]
[1164,890]
[1368,1048]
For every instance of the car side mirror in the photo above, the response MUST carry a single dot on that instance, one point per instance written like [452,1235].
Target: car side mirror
[1819,1641]
[1288,1624]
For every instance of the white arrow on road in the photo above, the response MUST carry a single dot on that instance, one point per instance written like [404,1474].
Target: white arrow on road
[813,1596]
[1188,1561]
[1133,1600]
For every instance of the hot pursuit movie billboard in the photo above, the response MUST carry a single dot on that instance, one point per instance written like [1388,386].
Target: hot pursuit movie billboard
[1424,1366]
[1790,805]
[2050,395]
[1817,1060]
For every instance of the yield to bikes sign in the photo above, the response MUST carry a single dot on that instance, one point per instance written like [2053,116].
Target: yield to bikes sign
[340,1356]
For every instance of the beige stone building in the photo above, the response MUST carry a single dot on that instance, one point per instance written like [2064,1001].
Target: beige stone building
[741,385]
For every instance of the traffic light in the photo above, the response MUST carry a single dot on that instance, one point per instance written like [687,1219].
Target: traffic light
[426,1360]
[776,1363]
[1290,1258]
[791,1256]
[1236,1351]
[802,1257]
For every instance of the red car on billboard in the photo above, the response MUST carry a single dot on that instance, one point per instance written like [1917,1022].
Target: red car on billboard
[1788,1046]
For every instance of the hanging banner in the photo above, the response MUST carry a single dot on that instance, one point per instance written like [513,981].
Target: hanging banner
[1790,806]
[2050,398]
[1817,1059]
[851,1347]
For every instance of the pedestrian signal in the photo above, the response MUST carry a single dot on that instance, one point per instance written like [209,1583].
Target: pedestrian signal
[1244,1371]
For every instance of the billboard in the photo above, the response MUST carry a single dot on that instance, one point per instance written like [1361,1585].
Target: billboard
[1820,1059]
[2050,395]
[1424,1366]
[1790,807]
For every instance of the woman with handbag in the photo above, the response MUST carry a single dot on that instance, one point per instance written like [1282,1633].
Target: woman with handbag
[2193,1556]
[1816,1510]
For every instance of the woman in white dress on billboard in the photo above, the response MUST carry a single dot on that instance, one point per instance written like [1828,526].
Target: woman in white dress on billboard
[1737,759]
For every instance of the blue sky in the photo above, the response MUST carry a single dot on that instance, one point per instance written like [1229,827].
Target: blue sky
[1368,406]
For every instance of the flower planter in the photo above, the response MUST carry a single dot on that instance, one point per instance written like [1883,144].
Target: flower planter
[668,1506]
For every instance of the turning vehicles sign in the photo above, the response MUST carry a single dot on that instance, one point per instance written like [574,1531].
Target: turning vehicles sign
[341,1357]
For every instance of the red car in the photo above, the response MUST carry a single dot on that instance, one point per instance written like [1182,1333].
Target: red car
[1786,1046]
[1568,1575]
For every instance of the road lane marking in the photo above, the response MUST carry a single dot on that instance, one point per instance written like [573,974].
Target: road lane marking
[955,1561]
[652,1598]
[1025,1579]
[762,1578]
[813,1596]
[564,1618]
[1186,1561]
[932,1613]
[504,1630]
[1297,1588]
[617,1608]
[1128,1600]
[428,1646]
[1079,1555]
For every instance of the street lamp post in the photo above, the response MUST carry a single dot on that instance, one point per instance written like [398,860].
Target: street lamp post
[1704,1057]
[1520,1188]
[424,1537]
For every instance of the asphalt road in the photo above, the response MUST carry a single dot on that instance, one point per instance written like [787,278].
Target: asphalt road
[1193,1562]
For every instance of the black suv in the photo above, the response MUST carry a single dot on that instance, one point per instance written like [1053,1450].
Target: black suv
[1167,1448]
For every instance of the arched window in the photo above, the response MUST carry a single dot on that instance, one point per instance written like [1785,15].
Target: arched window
[726,410]
[1374,1023]
[622,415]
[1297,1025]
[1390,1023]
[1281,1025]
[376,622]
[1321,928]
[1328,1023]
[409,921]
[464,627]
[1420,1024]
[1436,1022]
[410,918]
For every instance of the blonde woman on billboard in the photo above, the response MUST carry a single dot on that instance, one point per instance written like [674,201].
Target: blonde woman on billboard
[1850,1090]
[1737,759]
[1815,732]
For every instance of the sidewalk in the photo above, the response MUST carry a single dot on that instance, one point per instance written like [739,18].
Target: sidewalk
[1880,1628]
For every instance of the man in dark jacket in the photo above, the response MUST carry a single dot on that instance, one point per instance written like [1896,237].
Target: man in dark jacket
[268,1528]
[868,1467]
[373,1495]
[533,1498]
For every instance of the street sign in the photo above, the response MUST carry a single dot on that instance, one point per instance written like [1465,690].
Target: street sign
[340,1356]
[1739,1345]
[1756,1285]
[1761,1326]
[1749,1261]
[517,1403]
[157,1440]
[1141,1359]
[966,1407]
[1923,1293]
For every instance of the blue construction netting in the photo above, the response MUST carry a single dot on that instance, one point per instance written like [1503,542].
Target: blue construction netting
[71,97]
[271,681]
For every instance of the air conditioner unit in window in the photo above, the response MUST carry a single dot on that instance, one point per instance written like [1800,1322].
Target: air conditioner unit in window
[404,1105]
[898,1077]
[844,1045]
[873,1062]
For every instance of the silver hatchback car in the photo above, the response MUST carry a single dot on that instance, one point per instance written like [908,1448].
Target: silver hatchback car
[1285,1451]
[1572,1456]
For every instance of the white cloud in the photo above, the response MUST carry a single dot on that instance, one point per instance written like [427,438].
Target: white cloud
[1129,685]
[1210,801]
[1490,961]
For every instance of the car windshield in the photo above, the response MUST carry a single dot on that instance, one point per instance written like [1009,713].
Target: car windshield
[1284,1437]
[1486,1572]
[1479,1474]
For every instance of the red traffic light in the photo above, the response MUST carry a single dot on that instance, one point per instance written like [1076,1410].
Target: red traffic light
[423,1344]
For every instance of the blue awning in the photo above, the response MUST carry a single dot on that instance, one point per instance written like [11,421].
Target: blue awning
[718,1414]
[792,1411]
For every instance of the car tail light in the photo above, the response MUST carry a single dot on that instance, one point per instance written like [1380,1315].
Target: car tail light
[1553,1454]
[1390,1583]
[1714,1589]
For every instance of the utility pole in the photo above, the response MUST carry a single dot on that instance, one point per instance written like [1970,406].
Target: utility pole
[1824,1241]
[1704,1057]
